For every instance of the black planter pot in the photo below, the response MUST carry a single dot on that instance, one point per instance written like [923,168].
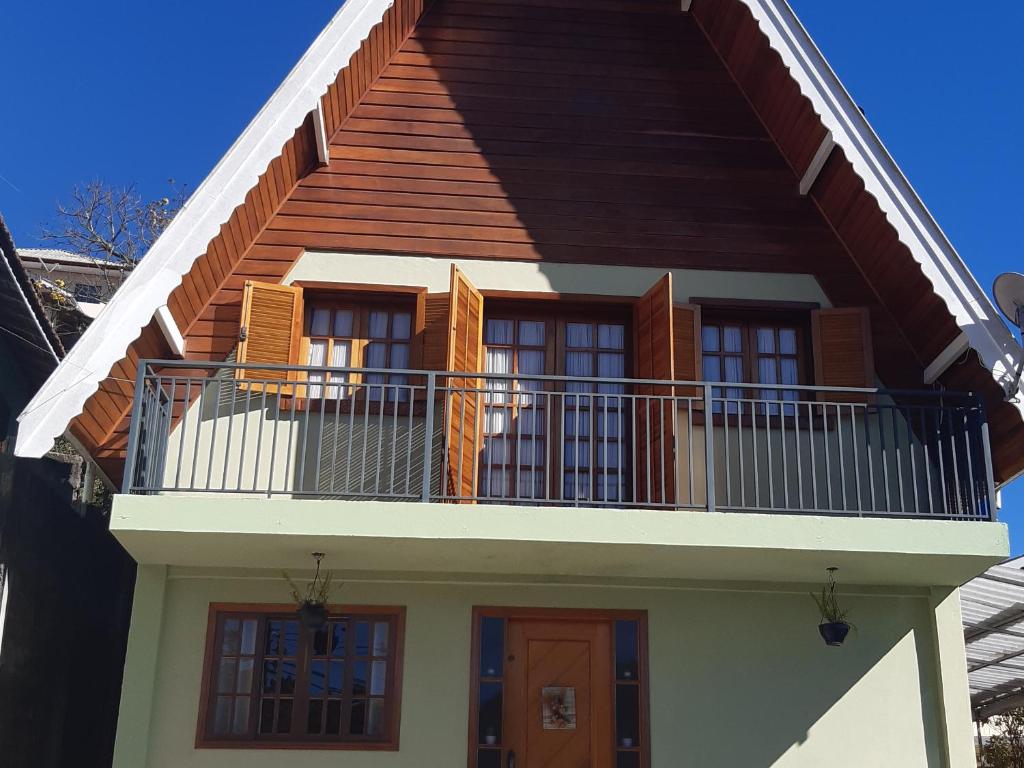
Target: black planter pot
[834,632]
[313,615]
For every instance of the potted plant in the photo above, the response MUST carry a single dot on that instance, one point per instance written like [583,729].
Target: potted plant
[833,626]
[312,601]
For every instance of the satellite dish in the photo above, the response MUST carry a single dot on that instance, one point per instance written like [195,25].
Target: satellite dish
[1009,292]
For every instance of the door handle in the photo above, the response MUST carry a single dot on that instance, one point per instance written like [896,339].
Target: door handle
[511,761]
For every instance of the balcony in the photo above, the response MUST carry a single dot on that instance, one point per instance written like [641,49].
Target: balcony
[464,438]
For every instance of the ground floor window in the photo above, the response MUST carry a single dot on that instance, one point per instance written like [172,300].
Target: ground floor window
[271,681]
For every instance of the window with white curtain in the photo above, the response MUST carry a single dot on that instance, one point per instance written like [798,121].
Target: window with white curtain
[355,335]
[756,350]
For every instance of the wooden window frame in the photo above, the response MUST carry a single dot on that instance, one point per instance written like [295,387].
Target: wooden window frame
[556,318]
[362,300]
[564,614]
[393,685]
[749,320]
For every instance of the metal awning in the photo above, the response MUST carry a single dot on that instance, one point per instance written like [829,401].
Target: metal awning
[993,616]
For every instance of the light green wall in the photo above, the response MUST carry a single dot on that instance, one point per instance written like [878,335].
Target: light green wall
[738,677]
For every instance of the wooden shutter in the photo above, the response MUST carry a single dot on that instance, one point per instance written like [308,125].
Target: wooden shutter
[654,353]
[435,331]
[270,332]
[686,346]
[842,349]
[462,414]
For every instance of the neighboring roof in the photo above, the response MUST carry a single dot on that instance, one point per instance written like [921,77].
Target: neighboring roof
[23,323]
[46,257]
[993,616]
[187,238]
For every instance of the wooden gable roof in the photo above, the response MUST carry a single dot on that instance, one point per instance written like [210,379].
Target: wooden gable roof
[589,131]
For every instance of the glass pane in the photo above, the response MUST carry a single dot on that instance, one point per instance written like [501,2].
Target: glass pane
[272,644]
[378,325]
[611,365]
[712,368]
[375,718]
[531,332]
[531,362]
[766,370]
[733,369]
[579,363]
[317,672]
[284,716]
[627,714]
[376,355]
[492,646]
[787,341]
[378,678]
[333,724]
[380,638]
[249,637]
[267,716]
[360,671]
[320,323]
[626,650]
[766,340]
[498,332]
[232,637]
[291,638]
[240,725]
[343,322]
[320,642]
[357,721]
[245,669]
[611,336]
[341,356]
[288,677]
[709,338]
[789,371]
[315,717]
[579,335]
[733,339]
[222,715]
[401,325]
[362,638]
[490,713]
[399,356]
[226,675]
[338,639]
[336,676]
[269,676]
[627,760]
[489,758]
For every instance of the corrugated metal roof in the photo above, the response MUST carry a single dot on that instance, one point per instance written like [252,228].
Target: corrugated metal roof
[993,617]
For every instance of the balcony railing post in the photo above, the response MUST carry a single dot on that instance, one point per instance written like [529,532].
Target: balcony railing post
[428,436]
[135,428]
[709,447]
[990,483]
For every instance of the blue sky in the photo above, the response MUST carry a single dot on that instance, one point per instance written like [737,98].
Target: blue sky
[142,92]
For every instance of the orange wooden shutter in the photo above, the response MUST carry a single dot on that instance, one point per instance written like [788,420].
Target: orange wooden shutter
[654,353]
[271,332]
[842,349]
[686,345]
[435,331]
[465,353]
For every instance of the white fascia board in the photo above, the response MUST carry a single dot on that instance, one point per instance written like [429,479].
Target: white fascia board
[105,342]
[169,328]
[916,228]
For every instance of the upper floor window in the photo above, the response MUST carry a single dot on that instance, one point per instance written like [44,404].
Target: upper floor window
[758,349]
[351,334]
[272,681]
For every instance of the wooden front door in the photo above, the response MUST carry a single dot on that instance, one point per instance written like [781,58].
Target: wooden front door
[559,712]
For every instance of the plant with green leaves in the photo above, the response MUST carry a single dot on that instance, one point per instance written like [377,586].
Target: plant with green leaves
[317,591]
[828,602]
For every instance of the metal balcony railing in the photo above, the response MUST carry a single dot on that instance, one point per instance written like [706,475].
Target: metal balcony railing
[561,441]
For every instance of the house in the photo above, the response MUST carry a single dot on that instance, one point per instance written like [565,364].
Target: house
[65,582]
[580,340]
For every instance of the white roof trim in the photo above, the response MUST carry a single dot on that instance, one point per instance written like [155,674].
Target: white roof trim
[63,395]
[147,288]
[917,229]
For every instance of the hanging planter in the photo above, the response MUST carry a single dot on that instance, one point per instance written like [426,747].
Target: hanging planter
[833,627]
[312,601]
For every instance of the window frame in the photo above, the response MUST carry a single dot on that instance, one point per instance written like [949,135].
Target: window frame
[393,695]
[361,303]
[749,320]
